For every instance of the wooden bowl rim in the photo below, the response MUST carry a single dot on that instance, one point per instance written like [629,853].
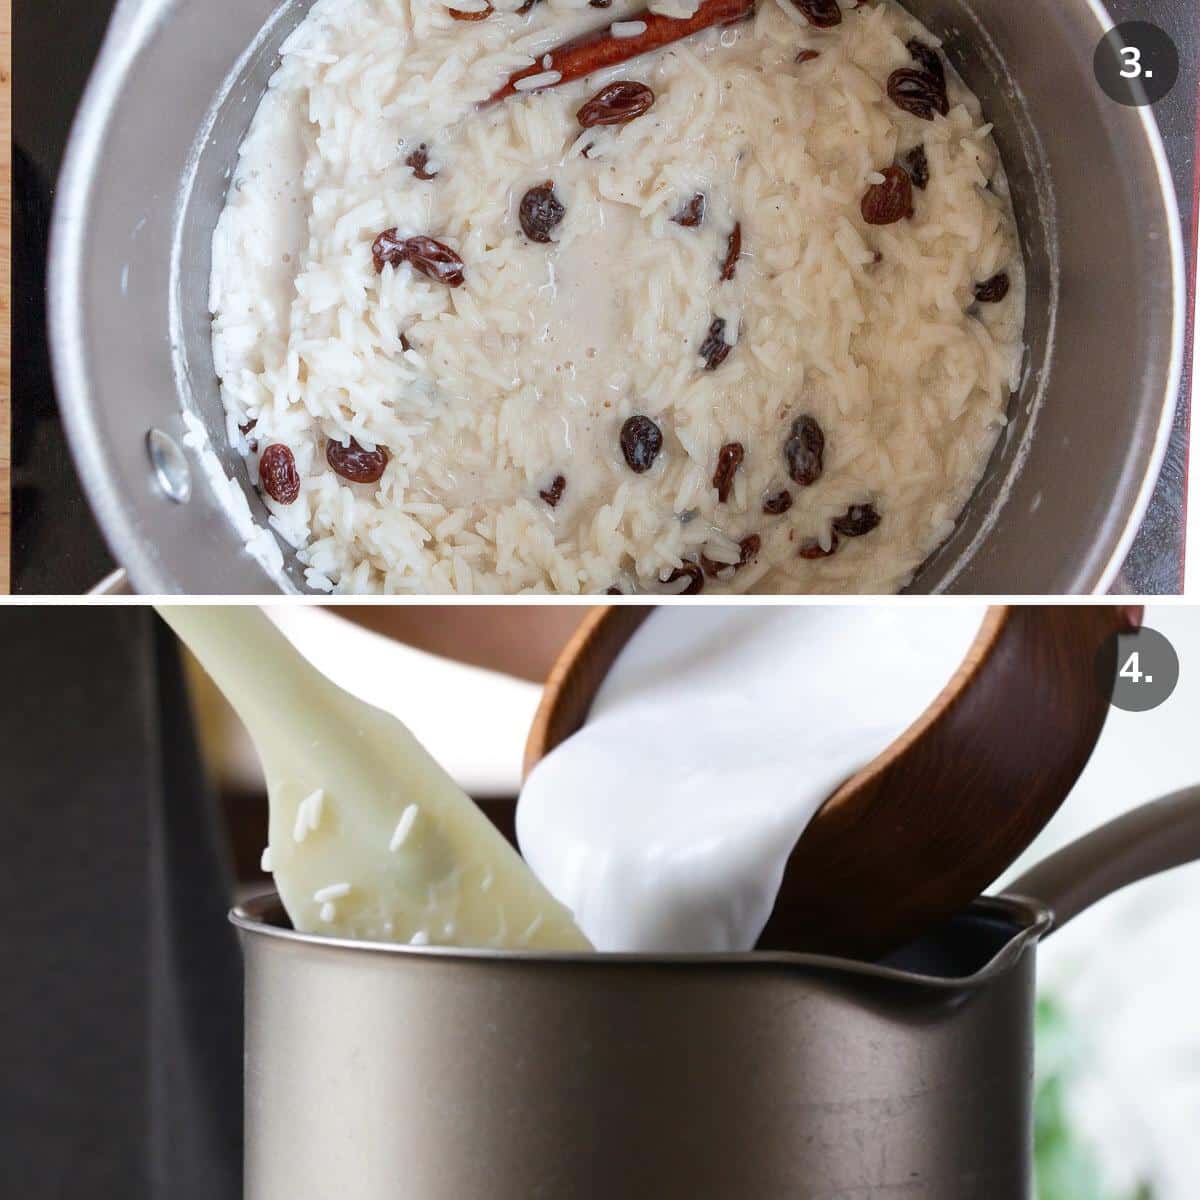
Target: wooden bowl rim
[536,744]
[982,644]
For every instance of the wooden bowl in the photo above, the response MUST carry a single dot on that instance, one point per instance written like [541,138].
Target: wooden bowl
[935,818]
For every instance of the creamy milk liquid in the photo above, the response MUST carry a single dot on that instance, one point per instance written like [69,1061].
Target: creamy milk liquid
[666,822]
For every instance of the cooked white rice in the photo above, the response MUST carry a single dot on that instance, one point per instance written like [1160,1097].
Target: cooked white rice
[528,371]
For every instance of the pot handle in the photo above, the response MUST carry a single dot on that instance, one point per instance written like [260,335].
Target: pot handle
[1154,837]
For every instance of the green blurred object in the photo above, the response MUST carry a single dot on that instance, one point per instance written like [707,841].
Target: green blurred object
[1065,1165]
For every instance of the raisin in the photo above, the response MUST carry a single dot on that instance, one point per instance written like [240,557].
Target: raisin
[917,93]
[715,349]
[432,259]
[599,3]
[812,548]
[405,344]
[692,572]
[748,546]
[804,451]
[278,475]
[807,55]
[482,15]
[824,14]
[248,427]
[778,503]
[992,291]
[641,440]
[692,213]
[554,493]
[612,591]
[419,160]
[728,461]
[928,59]
[354,463]
[732,254]
[890,201]
[435,261]
[540,212]
[918,167]
[617,104]
[857,520]
[388,248]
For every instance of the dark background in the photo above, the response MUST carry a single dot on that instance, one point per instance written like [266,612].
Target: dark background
[57,548]
[120,999]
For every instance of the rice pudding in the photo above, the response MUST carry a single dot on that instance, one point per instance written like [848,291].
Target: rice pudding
[739,314]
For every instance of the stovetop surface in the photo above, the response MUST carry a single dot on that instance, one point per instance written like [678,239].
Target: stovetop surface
[57,547]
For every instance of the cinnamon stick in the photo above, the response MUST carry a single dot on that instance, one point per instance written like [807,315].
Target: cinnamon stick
[598,50]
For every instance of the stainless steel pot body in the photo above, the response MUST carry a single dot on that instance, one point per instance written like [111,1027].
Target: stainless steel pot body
[150,161]
[385,1072]
[389,1074]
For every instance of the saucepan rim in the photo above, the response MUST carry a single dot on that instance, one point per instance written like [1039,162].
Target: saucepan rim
[260,916]
[1152,837]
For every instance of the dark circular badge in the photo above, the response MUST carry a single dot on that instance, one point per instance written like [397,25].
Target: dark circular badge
[1137,670]
[1136,63]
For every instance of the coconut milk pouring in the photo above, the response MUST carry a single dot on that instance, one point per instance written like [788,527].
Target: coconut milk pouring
[666,822]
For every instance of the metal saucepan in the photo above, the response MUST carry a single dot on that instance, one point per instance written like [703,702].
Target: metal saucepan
[383,1071]
[154,147]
